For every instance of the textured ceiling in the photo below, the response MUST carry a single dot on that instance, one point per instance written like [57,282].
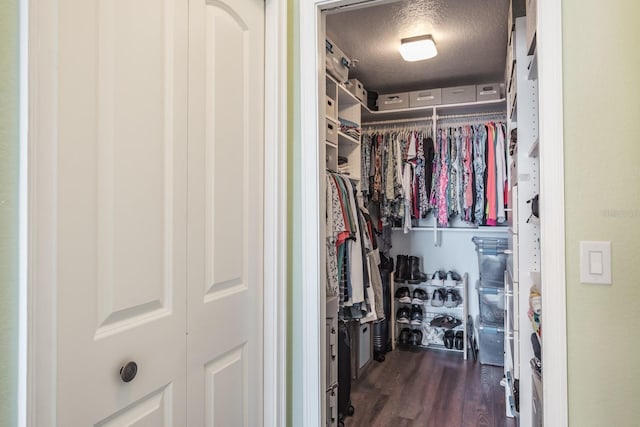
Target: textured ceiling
[471,37]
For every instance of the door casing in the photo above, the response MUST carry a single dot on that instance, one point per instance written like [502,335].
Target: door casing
[41,223]
[553,264]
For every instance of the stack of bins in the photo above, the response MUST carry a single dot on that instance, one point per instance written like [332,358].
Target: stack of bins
[492,262]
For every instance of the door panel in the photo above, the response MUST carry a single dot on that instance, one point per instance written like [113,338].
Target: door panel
[121,214]
[224,346]
[151,411]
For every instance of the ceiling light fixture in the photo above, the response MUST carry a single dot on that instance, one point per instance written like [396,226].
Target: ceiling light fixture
[418,48]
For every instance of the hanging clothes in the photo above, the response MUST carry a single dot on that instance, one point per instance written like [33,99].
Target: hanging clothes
[460,172]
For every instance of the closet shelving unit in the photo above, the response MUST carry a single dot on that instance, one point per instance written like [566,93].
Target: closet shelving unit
[523,268]
[461,311]
[341,104]
[347,107]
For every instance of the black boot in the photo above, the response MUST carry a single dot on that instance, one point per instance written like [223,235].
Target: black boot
[415,275]
[386,265]
[402,269]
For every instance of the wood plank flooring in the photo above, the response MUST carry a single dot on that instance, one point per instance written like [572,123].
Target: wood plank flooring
[428,388]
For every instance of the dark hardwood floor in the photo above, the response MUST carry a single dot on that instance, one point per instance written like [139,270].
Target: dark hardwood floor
[428,388]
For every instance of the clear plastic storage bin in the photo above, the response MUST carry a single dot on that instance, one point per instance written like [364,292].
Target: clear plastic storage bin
[491,344]
[491,302]
[492,259]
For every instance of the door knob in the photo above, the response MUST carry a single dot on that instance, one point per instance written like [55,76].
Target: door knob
[128,371]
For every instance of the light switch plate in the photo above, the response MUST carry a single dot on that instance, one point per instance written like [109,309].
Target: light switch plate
[595,262]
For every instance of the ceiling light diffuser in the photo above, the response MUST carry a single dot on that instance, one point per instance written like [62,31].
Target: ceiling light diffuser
[418,48]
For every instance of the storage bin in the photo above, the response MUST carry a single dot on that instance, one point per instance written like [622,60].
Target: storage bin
[393,101]
[331,131]
[336,62]
[332,351]
[492,259]
[332,407]
[488,92]
[491,304]
[364,345]
[356,87]
[459,94]
[425,98]
[491,344]
[331,109]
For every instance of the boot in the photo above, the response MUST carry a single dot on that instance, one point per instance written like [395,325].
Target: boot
[415,275]
[386,265]
[402,269]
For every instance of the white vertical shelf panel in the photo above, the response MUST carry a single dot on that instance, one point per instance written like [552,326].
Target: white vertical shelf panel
[528,230]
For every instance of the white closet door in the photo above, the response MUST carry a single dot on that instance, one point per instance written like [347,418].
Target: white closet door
[226,69]
[121,212]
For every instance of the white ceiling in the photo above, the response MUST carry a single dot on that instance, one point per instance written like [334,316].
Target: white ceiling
[471,37]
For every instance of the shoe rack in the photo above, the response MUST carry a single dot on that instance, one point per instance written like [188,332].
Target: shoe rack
[432,336]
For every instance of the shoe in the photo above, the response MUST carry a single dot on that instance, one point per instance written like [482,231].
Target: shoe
[404,295]
[405,336]
[414,275]
[402,269]
[459,340]
[437,300]
[449,338]
[416,314]
[386,265]
[403,315]
[416,337]
[452,298]
[419,296]
[445,321]
[438,278]
[452,279]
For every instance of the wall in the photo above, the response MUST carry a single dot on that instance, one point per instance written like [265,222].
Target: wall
[8,211]
[602,147]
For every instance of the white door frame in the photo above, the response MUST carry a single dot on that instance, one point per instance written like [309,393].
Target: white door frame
[549,39]
[42,203]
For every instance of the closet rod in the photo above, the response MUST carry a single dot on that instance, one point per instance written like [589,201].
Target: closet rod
[388,122]
[472,115]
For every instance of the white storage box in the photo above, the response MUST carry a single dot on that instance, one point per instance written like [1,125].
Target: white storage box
[491,344]
[332,407]
[488,92]
[425,98]
[332,351]
[459,94]
[331,157]
[331,131]
[363,96]
[337,63]
[332,111]
[356,87]
[393,101]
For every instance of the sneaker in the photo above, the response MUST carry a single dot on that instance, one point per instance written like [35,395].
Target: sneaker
[452,298]
[452,279]
[416,314]
[438,278]
[405,336]
[416,337]
[404,295]
[403,315]
[419,296]
[437,300]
